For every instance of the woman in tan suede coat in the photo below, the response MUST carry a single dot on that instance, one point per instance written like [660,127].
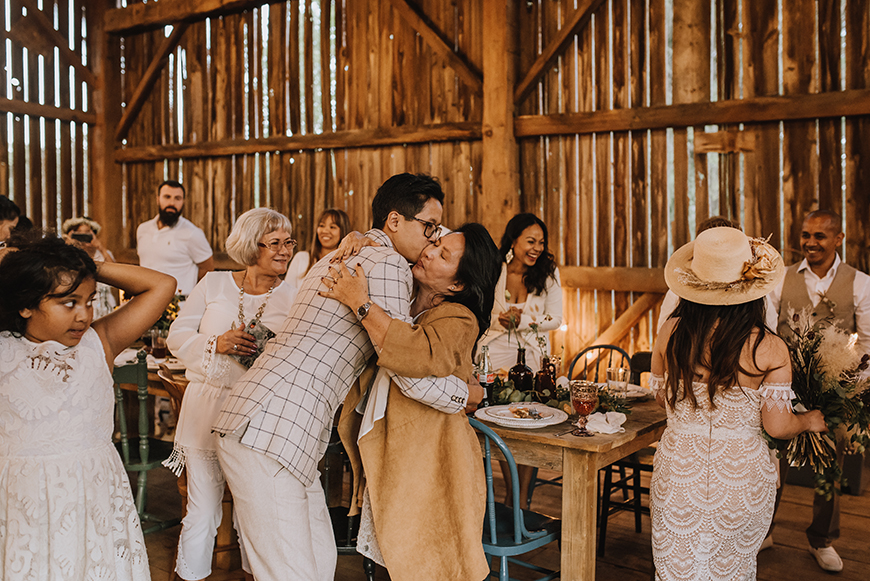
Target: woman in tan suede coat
[419,462]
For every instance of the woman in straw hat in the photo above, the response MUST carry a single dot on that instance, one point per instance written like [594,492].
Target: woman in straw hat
[714,484]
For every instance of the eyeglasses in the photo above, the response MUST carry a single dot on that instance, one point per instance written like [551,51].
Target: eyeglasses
[429,228]
[276,245]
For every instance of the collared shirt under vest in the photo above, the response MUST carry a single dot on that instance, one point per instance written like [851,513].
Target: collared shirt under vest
[836,306]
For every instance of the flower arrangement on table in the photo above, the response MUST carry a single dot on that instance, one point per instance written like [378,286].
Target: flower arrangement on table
[169,314]
[505,393]
[827,375]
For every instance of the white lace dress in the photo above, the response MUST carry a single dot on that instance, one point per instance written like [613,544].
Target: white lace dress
[713,485]
[66,507]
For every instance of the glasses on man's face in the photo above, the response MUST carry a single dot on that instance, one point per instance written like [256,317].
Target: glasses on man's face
[276,245]
[430,229]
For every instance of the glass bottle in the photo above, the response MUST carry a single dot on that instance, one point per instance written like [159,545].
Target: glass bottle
[521,374]
[485,375]
[544,382]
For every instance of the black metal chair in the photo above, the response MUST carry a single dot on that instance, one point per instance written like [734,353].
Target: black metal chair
[595,358]
[152,452]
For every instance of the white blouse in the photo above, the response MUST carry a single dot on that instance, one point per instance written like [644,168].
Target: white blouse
[212,309]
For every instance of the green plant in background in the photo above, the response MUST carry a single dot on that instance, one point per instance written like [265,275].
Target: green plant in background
[169,314]
[504,392]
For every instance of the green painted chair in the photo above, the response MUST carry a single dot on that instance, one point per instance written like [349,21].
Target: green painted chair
[151,452]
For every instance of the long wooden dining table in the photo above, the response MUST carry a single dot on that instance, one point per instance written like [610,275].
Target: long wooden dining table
[579,459]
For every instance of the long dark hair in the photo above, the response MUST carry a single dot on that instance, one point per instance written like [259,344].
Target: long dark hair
[711,337]
[41,265]
[478,271]
[340,219]
[535,277]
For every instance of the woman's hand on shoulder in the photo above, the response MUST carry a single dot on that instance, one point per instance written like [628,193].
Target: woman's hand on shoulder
[351,245]
[348,288]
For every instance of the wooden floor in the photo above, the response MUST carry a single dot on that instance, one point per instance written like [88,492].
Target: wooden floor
[628,554]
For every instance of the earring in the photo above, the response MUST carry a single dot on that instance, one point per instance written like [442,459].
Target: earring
[509,256]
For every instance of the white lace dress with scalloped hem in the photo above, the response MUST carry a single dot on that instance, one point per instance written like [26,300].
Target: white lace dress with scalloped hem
[714,485]
[66,507]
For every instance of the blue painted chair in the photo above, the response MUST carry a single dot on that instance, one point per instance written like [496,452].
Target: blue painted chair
[509,532]
[152,452]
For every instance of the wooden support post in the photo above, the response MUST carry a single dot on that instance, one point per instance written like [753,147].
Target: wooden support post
[105,202]
[500,166]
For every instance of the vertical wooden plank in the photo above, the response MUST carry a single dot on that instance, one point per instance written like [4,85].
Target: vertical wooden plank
[36,147]
[658,138]
[325,71]
[500,156]
[760,78]
[730,40]
[585,156]
[603,160]
[293,70]
[830,171]
[309,68]
[105,174]
[638,209]
[691,85]
[79,155]
[857,137]
[66,161]
[799,161]
[50,150]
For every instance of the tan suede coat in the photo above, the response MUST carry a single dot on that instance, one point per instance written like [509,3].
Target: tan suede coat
[423,468]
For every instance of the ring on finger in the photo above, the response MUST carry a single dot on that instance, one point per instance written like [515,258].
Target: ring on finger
[235,347]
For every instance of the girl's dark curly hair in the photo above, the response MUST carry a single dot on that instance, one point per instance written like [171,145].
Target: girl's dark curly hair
[41,266]
[536,276]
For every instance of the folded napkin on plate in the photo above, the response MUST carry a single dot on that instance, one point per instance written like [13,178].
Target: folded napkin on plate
[609,423]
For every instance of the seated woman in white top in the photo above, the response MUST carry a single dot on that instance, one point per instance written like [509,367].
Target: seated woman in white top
[209,338]
[528,290]
[332,226]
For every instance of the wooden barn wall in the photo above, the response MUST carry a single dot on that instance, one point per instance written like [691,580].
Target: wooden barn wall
[266,73]
[629,198]
[44,109]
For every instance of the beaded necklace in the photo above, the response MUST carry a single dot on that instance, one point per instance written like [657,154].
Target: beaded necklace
[262,308]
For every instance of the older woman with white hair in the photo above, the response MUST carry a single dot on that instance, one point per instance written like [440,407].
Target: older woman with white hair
[217,335]
[85,232]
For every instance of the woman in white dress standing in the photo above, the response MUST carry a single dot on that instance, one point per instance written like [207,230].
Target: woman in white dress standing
[209,337]
[529,291]
[66,507]
[332,226]
[714,483]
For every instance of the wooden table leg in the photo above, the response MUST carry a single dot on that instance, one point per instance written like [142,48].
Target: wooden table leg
[579,501]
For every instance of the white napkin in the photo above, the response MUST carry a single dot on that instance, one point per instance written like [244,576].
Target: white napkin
[609,423]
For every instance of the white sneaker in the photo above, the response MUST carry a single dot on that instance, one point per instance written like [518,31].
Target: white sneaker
[827,558]
[767,543]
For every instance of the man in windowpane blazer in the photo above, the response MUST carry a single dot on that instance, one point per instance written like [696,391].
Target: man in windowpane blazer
[277,422]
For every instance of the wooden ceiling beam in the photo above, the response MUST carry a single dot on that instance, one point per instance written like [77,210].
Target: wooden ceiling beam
[556,47]
[58,40]
[437,42]
[143,89]
[849,103]
[143,17]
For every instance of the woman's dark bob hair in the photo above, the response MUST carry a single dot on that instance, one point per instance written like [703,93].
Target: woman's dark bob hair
[478,271]
[536,276]
[40,265]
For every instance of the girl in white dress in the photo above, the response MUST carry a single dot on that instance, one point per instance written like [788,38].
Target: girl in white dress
[714,484]
[208,337]
[66,507]
[332,226]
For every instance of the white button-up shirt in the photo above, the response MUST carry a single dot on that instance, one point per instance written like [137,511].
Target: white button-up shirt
[175,251]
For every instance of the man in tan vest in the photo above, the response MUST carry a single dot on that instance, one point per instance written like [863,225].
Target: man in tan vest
[836,292]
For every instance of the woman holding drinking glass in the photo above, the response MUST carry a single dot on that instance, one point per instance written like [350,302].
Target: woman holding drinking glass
[219,329]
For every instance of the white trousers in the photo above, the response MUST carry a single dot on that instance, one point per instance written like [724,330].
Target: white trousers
[205,491]
[285,525]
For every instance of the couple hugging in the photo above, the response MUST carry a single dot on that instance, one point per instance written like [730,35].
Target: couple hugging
[393,342]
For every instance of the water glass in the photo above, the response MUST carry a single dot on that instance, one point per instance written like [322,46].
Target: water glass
[617,381]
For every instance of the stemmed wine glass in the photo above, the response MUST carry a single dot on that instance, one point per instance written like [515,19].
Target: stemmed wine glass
[584,398]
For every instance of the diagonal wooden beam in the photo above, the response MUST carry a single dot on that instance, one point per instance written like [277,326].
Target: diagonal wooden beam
[545,60]
[59,41]
[433,37]
[143,89]
[143,17]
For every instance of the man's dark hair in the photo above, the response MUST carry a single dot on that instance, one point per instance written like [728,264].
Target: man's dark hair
[9,210]
[833,217]
[172,184]
[406,194]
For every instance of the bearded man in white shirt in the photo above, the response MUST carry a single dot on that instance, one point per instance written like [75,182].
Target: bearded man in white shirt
[171,244]
[839,293]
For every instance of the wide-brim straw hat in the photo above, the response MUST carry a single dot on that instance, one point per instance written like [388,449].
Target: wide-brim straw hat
[723,266]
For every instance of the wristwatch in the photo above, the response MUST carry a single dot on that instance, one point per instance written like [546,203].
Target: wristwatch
[363,310]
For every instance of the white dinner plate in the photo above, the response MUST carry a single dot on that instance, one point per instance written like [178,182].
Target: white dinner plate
[503,416]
